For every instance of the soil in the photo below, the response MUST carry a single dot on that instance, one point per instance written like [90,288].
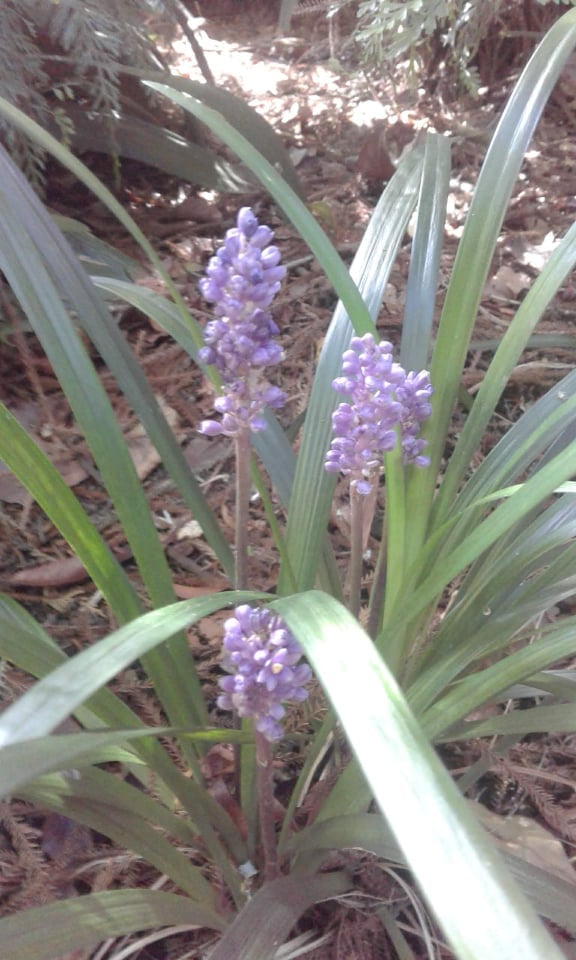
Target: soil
[345,128]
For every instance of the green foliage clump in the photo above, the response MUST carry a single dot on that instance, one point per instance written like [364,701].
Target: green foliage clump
[432,30]
[78,74]
[495,532]
[64,52]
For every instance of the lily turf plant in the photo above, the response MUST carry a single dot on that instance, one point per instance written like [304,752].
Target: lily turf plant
[398,677]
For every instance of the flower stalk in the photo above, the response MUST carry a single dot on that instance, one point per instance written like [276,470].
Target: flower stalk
[242,443]
[384,409]
[356,550]
[241,281]
[262,661]
[265,790]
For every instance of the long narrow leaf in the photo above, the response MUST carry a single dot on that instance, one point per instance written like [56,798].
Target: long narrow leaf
[55,697]
[425,258]
[31,466]
[483,223]
[446,849]
[545,427]
[559,265]
[237,114]
[313,489]
[21,763]
[552,896]
[308,514]
[560,718]
[53,147]
[267,919]
[127,816]
[25,643]
[184,93]
[150,143]
[41,270]
[511,585]
[483,686]
[77,291]
[532,493]
[83,922]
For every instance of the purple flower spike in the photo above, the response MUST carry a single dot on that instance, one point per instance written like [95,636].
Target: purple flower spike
[262,658]
[382,398]
[241,281]
[414,395]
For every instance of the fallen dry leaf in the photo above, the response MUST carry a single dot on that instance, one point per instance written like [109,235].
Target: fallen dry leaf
[11,490]
[374,162]
[187,591]
[197,209]
[508,283]
[144,455]
[63,572]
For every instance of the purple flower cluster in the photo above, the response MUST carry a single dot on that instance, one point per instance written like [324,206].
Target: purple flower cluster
[385,401]
[241,281]
[262,658]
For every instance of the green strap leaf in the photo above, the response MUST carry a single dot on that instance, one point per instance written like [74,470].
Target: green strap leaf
[446,849]
[58,694]
[267,919]
[84,922]
[485,216]
[33,469]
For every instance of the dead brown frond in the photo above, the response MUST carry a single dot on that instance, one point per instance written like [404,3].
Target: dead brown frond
[24,877]
[544,799]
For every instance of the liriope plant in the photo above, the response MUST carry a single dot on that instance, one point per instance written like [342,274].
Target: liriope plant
[398,678]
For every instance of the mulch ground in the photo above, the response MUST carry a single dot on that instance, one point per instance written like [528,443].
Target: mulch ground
[345,129]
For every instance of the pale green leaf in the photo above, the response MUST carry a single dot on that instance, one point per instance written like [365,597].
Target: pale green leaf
[448,853]
[43,933]
[267,919]
[59,693]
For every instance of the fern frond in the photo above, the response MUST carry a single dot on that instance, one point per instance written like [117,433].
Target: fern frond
[22,78]
[84,43]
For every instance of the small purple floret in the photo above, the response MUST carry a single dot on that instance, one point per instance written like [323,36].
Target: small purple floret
[262,658]
[383,401]
[241,281]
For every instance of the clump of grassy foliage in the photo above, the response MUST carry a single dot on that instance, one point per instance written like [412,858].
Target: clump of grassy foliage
[503,531]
